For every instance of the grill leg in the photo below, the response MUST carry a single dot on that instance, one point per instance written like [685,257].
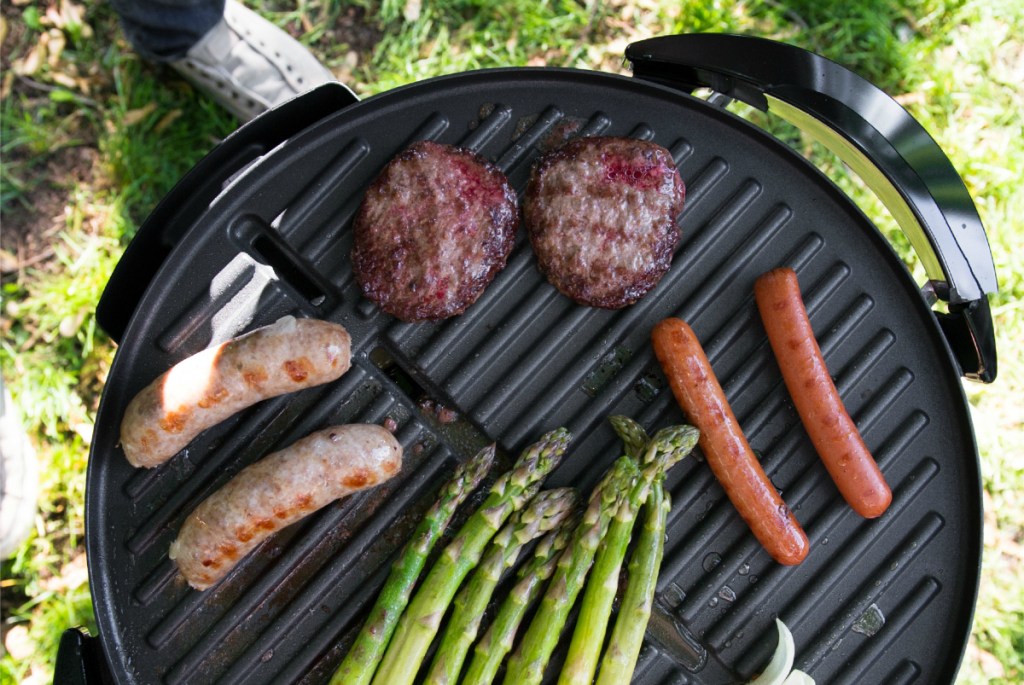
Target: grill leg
[80,660]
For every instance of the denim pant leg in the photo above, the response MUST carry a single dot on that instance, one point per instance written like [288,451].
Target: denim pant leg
[164,30]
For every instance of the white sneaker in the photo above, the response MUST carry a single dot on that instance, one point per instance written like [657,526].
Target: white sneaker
[248,65]
[19,479]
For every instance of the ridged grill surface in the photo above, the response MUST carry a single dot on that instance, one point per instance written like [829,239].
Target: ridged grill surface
[524,359]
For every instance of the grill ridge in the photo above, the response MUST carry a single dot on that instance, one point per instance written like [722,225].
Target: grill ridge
[596,125]
[431,129]
[907,671]
[487,350]
[896,622]
[229,282]
[155,583]
[487,129]
[681,150]
[886,573]
[703,184]
[303,220]
[523,145]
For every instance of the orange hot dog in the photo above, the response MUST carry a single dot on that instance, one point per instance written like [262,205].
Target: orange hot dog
[727,452]
[815,397]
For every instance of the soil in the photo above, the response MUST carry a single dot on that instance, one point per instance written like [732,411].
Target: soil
[353,29]
[31,225]
[32,219]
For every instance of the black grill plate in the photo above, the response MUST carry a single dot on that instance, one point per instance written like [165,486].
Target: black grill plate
[879,601]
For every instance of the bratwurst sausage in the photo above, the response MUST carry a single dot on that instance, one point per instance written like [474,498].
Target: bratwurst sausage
[278,490]
[208,387]
[726,449]
[832,431]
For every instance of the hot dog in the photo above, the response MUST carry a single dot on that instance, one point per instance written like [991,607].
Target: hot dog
[278,490]
[726,449]
[208,387]
[815,397]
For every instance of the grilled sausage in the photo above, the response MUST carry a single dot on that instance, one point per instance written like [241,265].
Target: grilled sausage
[278,490]
[815,397]
[208,387]
[726,449]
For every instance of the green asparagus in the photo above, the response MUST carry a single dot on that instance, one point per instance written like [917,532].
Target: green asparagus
[369,645]
[634,437]
[544,513]
[627,636]
[528,662]
[666,448]
[422,618]
[491,649]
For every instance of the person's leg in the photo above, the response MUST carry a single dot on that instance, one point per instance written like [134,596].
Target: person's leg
[248,64]
[164,30]
[242,61]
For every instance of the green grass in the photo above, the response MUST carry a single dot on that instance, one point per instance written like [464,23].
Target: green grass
[93,137]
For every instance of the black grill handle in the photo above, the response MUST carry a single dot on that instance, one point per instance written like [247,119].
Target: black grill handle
[878,139]
[192,195]
[80,661]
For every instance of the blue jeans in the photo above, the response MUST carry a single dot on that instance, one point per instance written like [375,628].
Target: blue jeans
[164,30]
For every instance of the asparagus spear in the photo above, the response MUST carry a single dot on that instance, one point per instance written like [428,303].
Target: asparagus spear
[666,448]
[627,637]
[544,512]
[422,618]
[491,649]
[634,437]
[528,662]
[369,645]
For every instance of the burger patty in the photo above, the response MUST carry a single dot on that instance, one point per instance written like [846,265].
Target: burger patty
[433,230]
[601,215]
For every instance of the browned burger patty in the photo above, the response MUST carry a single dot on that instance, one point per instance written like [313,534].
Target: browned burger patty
[433,230]
[601,215]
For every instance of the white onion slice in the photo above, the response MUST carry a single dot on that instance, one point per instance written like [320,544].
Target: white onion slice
[782,660]
[798,677]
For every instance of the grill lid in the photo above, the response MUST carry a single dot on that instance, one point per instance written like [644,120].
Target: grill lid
[876,601]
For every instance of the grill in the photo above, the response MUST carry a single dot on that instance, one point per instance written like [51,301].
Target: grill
[261,229]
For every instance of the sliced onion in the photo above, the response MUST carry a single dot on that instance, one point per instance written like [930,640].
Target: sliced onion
[798,677]
[782,660]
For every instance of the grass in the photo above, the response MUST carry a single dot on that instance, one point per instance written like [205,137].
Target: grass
[92,138]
